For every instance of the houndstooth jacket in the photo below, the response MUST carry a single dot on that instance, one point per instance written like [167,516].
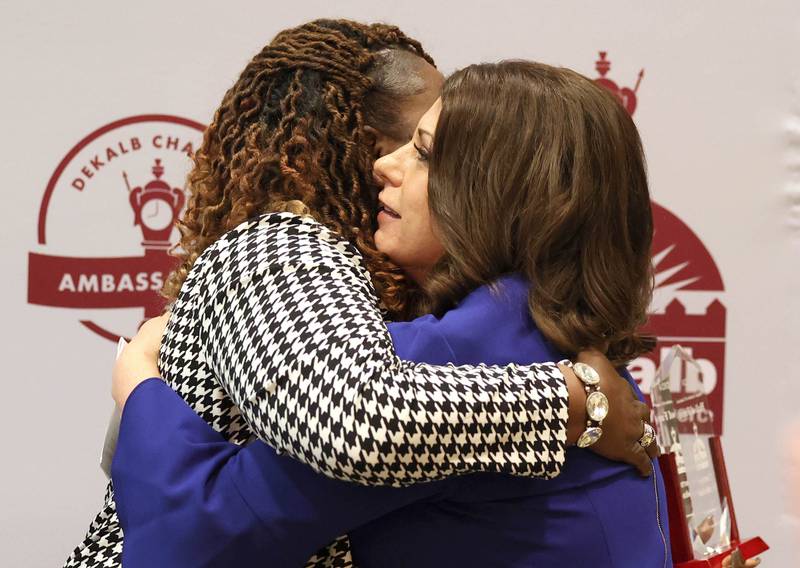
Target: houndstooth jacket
[278,333]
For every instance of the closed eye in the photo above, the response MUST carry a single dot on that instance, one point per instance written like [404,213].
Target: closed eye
[422,153]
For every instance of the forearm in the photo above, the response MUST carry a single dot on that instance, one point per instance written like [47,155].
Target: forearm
[325,386]
[393,428]
[297,340]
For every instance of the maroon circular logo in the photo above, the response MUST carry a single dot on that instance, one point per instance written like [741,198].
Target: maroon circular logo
[106,222]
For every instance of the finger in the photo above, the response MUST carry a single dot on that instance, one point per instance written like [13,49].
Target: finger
[641,461]
[153,328]
[644,413]
[653,450]
[156,324]
[164,321]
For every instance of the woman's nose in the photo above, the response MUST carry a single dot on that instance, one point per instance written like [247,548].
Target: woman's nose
[387,170]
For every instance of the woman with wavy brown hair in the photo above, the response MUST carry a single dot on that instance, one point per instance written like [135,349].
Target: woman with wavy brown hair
[521,207]
[276,330]
[528,217]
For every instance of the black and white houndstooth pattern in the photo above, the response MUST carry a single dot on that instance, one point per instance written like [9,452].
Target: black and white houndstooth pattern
[277,332]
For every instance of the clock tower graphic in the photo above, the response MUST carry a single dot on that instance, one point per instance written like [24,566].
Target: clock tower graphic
[156,207]
[106,223]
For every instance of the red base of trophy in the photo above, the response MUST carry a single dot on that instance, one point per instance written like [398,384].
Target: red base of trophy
[682,550]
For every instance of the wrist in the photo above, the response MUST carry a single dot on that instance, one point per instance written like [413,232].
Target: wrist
[576,420]
[595,405]
[130,370]
[122,394]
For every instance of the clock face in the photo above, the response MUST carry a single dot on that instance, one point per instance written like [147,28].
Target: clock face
[157,214]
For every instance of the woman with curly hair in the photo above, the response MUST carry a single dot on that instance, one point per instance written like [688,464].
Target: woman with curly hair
[277,325]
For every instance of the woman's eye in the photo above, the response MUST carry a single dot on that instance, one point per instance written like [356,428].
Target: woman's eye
[422,153]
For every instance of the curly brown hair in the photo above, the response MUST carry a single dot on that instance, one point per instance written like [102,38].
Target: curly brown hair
[290,136]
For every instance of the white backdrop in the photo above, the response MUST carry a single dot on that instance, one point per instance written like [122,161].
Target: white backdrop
[718,109]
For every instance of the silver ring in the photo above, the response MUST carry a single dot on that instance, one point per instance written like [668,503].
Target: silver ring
[648,437]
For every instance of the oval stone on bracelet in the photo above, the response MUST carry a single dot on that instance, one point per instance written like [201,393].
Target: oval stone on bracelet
[597,406]
[586,374]
[589,437]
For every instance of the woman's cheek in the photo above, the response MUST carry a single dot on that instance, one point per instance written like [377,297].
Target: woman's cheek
[401,244]
[387,240]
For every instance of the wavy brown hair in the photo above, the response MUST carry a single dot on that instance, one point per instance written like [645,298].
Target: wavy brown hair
[290,135]
[548,181]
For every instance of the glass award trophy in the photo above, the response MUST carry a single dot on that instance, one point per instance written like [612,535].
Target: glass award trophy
[702,520]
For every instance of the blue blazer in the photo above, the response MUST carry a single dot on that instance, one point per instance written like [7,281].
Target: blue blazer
[186,497]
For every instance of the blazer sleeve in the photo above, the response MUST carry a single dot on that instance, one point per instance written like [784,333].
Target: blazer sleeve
[292,328]
[186,497]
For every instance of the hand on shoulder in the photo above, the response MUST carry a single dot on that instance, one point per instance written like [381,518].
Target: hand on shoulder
[139,360]
[623,426]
